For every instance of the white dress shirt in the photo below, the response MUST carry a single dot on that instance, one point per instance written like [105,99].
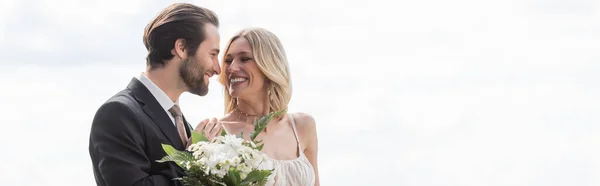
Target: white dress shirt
[165,102]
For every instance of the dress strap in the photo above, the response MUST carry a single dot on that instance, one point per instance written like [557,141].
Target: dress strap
[296,134]
[294,127]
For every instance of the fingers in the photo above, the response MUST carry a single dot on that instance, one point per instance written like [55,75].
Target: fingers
[216,130]
[201,125]
[209,128]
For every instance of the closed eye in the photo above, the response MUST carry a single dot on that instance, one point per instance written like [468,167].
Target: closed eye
[245,59]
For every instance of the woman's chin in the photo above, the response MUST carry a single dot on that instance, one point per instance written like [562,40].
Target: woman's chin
[234,93]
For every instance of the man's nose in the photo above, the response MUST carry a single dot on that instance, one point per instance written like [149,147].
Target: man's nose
[217,68]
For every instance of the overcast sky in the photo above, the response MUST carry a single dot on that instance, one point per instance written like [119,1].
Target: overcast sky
[416,93]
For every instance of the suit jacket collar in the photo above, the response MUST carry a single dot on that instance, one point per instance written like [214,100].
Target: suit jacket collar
[153,109]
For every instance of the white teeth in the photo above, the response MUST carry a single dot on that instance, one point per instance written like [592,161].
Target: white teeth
[235,80]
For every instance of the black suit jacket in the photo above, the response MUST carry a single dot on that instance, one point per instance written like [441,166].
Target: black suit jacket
[125,140]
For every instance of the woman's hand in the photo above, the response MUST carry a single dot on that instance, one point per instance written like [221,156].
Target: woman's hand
[210,128]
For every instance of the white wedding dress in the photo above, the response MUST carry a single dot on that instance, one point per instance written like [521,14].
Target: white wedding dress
[296,172]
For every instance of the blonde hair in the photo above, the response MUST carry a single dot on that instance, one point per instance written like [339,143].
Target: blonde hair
[271,59]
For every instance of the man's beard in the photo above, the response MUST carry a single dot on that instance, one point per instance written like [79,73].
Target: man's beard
[193,76]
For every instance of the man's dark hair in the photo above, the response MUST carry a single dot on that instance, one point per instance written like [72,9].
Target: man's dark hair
[178,21]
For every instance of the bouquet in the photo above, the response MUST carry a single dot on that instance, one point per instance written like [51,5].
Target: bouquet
[227,160]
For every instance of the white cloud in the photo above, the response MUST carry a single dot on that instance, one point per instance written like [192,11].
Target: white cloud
[504,136]
[7,8]
[50,111]
[93,14]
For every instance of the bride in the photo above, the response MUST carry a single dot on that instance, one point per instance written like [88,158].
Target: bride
[256,79]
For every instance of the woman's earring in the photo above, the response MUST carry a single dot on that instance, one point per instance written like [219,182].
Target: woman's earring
[271,95]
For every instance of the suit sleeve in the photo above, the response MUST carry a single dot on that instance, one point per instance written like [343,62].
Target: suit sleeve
[116,148]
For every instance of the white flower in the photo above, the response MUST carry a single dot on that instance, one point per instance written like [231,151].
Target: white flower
[186,164]
[219,173]
[201,161]
[252,144]
[214,159]
[236,160]
[244,170]
[232,140]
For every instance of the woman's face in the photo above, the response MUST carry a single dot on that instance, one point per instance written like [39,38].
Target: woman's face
[243,75]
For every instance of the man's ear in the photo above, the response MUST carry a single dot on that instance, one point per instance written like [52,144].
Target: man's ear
[179,50]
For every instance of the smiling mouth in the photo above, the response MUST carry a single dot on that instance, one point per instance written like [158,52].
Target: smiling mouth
[234,81]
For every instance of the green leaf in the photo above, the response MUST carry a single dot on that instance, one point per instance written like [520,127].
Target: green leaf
[168,149]
[253,136]
[259,147]
[261,124]
[175,156]
[167,158]
[234,177]
[197,137]
[223,132]
[257,176]
[197,177]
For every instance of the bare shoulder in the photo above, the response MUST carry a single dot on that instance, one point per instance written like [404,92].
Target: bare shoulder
[307,130]
[305,123]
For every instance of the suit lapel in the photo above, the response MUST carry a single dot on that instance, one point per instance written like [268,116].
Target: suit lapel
[153,109]
[165,124]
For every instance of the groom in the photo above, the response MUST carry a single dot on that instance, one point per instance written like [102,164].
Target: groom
[128,129]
